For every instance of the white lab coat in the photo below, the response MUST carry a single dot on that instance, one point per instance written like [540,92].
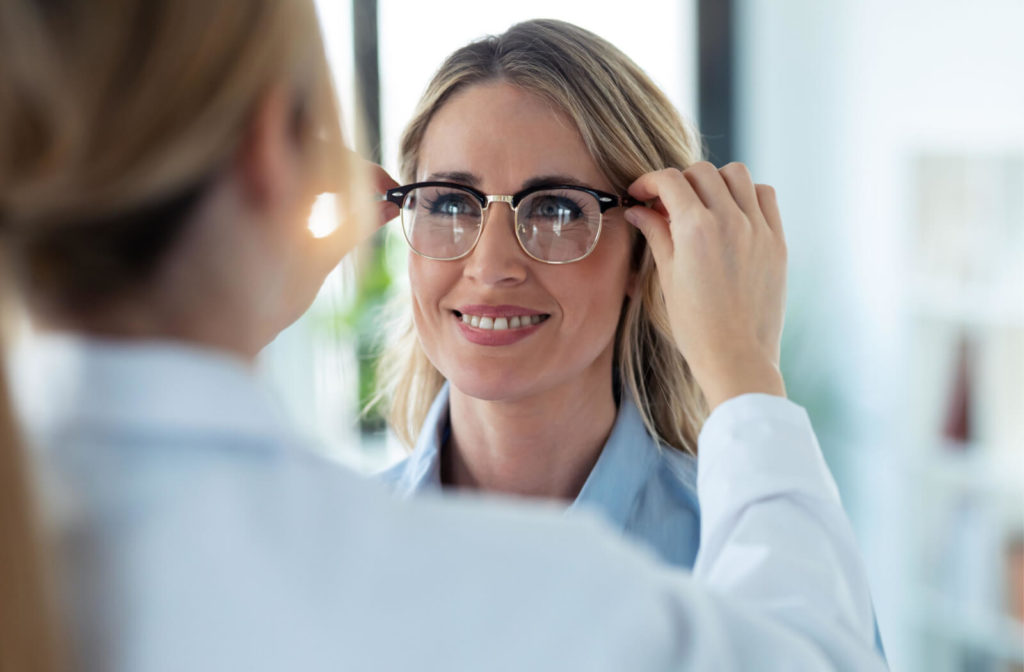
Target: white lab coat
[199,534]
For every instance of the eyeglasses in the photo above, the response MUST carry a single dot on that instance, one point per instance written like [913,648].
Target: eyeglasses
[556,224]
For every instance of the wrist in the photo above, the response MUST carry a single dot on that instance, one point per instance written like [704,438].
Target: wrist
[738,376]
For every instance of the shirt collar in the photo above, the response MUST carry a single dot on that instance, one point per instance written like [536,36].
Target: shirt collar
[63,380]
[421,471]
[623,468]
[613,486]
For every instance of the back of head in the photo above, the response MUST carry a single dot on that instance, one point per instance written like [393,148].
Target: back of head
[114,115]
[630,128]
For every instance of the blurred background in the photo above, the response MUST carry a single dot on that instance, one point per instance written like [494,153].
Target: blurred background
[893,131]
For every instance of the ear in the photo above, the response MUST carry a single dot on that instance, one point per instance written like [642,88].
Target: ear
[268,157]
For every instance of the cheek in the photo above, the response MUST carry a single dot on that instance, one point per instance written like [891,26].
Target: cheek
[420,286]
[593,303]
[429,282]
[604,286]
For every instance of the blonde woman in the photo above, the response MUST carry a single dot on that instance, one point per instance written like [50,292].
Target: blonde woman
[548,368]
[537,356]
[159,161]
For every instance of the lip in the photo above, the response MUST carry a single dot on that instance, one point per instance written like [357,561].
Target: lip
[490,337]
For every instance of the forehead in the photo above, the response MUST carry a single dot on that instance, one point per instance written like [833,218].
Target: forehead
[505,135]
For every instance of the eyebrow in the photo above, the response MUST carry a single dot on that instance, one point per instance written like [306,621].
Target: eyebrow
[552,180]
[469,179]
[460,176]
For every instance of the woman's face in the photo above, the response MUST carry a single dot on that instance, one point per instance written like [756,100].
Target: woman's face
[498,138]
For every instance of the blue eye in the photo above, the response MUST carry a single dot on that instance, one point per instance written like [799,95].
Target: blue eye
[452,205]
[554,207]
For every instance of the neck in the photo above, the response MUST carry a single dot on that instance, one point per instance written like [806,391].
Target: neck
[128,322]
[543,446]
[192,296]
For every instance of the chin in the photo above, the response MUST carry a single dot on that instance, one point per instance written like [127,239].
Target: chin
[492,385]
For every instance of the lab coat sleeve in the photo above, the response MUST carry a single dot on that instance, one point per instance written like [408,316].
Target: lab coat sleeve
[774,536]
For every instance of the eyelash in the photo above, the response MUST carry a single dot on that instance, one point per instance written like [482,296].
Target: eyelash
[432,203]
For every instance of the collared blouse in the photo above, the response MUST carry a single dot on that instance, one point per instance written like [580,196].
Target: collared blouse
[645,490]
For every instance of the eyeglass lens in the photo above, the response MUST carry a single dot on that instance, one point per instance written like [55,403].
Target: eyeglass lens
[556,225]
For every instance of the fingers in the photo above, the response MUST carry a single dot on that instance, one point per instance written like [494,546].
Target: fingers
[380,178]
[386,212]
[701,186]
[769,206]
[655,229]
[381,181]
[741,187]
[725,193]
[668,186]
[707,182]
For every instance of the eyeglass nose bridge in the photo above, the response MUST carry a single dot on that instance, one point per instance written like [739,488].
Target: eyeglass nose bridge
[500,198]
[496,198]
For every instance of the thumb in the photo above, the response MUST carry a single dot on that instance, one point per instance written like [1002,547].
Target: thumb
[655,229]
[381,181]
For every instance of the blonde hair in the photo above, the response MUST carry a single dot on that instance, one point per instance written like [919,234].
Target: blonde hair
[114,116]
[29,641]
[117,114]
[630,128]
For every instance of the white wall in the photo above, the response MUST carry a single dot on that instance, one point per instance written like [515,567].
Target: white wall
[415,37]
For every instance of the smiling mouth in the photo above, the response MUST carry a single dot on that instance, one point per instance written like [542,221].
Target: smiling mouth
[500,323]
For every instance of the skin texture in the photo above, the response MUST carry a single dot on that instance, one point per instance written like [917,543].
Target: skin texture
[718,243]
[530,417]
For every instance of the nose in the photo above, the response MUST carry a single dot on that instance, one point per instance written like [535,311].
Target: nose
[497,258]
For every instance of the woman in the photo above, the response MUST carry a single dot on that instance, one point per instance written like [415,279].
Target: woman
[160,160]
[537,357]
[595,404]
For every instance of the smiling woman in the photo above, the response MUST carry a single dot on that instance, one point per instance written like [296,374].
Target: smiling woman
[536,356]
[571,345]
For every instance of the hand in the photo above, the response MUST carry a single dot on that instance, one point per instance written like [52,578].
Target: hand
[718,244]
[332,248]
[319,256]
[381,181]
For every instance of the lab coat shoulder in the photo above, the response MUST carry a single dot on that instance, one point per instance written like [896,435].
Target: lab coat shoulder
[295,550]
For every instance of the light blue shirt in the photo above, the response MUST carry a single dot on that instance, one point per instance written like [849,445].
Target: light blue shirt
[647,491]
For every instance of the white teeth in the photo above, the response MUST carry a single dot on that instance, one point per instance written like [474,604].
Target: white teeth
[500,323]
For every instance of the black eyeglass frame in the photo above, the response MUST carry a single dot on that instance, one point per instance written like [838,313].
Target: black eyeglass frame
[605,202]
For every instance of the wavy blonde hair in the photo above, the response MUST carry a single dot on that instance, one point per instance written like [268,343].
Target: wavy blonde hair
[630,128]
[114,113]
